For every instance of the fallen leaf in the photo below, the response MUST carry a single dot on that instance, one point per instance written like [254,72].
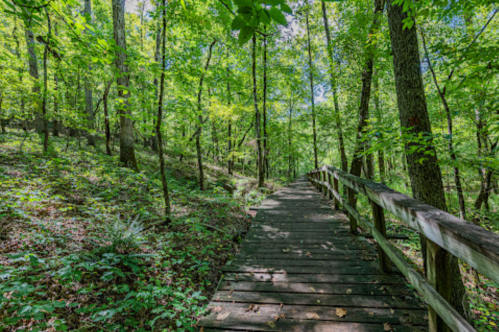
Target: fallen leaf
[285,250]
[387,327]
[392,311]
[223,316]
[280,307]
[309,254]
[216,309]
[256,307]
[340,312]
[371,314]
[250,307]
[312,289]
[313,315]
[349,291]
[270,324]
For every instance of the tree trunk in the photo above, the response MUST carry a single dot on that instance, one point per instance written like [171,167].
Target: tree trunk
[381,153]
[229,126]
[261,175]
[2,120]
[290,140]
[264,110]
[199,128]
[312,98]
[33,72]
[337,115]
[367,75]
[89,108]
[159,120]
[452,153]
[442,269]
[127,150]
[154,139]
[45,86]
[106,119]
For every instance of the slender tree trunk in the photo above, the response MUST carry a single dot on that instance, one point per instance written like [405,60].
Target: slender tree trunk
[45,86]
[337,115]
[127,150]
[264,110]
[154,139]
[33,72]
[290,128]
[442,269]
[159,120]
[106,119]
[229,126]
[381,153]
[312,97]
[452,153]
[2,120]
[199,129]
[261,175]
[55,128]
[367,75]
[89,108]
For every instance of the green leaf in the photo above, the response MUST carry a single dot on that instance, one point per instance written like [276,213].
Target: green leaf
[245,34]
[264,16]
[238,23]
[278,16]
[285,8]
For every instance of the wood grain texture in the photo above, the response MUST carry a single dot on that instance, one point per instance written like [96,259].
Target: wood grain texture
[300,263]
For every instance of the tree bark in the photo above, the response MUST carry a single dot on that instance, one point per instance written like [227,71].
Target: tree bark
[337,115]
[450,145]
[89,107]
[381,153]
[106,119]
[45,86]
[2,120]
[33,72]
[229,126]
[312,98]
[127,150]
[154,139]
[442,269]
[264,110]
[199,128]
[161,155]
[261,175]
[367,74]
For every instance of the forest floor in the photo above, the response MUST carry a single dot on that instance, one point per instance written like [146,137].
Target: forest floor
[77,250]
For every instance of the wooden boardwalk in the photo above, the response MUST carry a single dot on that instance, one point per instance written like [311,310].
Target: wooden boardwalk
[300,270]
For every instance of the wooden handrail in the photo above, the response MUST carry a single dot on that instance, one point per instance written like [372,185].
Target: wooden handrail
[471,243]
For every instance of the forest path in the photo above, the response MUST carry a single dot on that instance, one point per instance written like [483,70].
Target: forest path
[300,270]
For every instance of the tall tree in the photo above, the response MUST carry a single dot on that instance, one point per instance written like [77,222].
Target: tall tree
[199,129]
[261,175]
[89,107]
[127,150]
[33,72]
[159,136]
[337,115]
[442,269]
[312,97]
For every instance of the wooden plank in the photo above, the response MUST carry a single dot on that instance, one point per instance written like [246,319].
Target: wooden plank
[362,301]
[376,278]
[315,288]
[321,313]
[284,263]
[310,269]
[303,251]
[306,256]
[293,325]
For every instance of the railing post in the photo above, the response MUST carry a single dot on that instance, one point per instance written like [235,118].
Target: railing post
[438,276]
[379,223]
[336,188]
[329,192]
[324,187]
[351,201]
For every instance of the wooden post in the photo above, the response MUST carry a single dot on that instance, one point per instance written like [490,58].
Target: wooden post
[329,193]
[437,274]
[379,223]
[353,221]
[336,188]
[324,179]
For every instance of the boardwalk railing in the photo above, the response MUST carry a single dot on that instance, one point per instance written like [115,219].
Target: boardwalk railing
[470,243]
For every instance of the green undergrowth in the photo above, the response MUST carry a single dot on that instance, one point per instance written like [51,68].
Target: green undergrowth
[78,249]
